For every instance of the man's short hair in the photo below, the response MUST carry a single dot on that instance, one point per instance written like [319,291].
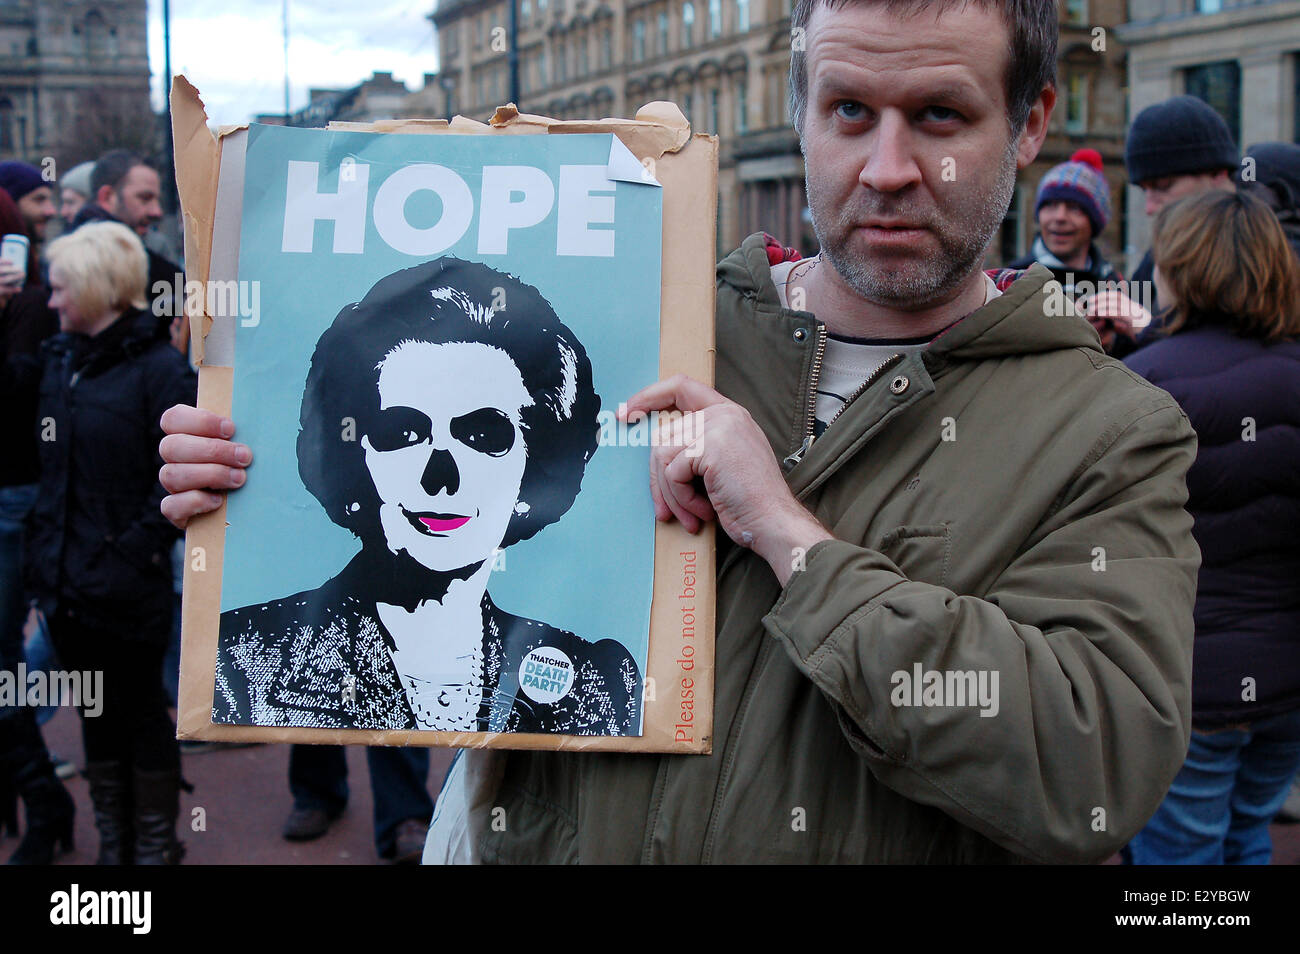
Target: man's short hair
[445,301]
[1035,27]
[103,265]
[112,167]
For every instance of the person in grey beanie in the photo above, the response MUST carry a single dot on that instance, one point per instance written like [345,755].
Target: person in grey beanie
[74,191]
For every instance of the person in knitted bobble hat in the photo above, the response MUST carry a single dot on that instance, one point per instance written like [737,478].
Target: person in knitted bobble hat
[1072,208]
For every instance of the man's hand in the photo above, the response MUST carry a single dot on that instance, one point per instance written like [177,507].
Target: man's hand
[200,459]
[716,441]
[1113,313]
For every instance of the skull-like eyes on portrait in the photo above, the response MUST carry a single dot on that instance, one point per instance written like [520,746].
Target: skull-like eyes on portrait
[486,430]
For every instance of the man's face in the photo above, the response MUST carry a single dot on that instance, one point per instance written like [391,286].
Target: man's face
[909,159]
[136,200]
[37,208]
[1160,192]
[70,205]
[1065,228]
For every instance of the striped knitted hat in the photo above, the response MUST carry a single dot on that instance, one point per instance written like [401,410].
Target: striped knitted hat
[1079,181]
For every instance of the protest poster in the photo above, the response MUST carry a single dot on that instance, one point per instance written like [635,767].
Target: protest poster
[423,331]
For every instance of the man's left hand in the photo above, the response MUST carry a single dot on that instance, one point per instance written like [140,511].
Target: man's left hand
[715,440]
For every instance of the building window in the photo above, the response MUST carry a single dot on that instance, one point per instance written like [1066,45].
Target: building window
[713,111]
[1219,84]
[661,38]
[638,41]
[742,16]
[688,107]
[1076,11]
[559,61]
[1076,104]
[7,143]
[525,10]
[1295,98]
[583,65]
[688,25]
[541,5]
[97,35]
[742,108]
[715,18]
[606,48]
[541,68]
[1209,6]
[453,39]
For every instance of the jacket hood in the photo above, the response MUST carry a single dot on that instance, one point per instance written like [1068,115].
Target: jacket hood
[1017,322]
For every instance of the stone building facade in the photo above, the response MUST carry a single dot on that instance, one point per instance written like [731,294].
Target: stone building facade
[74,79]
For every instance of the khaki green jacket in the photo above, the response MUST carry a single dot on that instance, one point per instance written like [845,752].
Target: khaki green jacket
[1009,502]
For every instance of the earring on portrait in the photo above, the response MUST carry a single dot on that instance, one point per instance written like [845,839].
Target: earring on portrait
[522,507]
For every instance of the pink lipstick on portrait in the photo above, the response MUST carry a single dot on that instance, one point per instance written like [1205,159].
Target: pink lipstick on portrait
[436,523]
[443,524]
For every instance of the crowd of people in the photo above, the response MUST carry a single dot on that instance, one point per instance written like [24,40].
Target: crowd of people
[1159,422]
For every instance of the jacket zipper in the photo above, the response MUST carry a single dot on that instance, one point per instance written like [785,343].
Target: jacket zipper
[874,376]
[810,412]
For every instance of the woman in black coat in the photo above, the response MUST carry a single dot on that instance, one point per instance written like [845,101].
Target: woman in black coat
[98,557]
[1233,364]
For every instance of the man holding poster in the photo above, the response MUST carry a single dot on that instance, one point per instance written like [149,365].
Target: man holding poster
[955,594]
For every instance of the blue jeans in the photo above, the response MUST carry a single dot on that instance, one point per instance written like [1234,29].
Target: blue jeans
[318,778]
[15,502]
[41,655]
[1221,802]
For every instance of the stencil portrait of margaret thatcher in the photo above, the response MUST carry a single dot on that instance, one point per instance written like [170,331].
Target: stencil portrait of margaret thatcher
[473,428]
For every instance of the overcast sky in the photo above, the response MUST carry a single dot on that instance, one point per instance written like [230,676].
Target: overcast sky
[233,50]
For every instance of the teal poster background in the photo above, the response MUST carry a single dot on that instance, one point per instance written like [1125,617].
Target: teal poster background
[590,572]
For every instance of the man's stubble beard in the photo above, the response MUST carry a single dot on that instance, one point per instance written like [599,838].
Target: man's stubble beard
[923,280]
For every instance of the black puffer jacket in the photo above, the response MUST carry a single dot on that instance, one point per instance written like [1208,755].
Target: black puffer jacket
[1243,398]
[97,544]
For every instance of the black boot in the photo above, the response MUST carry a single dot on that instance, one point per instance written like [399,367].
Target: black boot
[157,803]
[110,792]
[8,801]
[50,809]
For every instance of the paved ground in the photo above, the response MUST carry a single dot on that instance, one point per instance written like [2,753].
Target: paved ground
[245,797]
[244,794]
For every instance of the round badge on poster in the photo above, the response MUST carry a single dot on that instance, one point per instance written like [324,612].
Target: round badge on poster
[546,675]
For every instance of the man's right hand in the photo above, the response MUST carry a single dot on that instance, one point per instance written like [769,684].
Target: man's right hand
[200,459]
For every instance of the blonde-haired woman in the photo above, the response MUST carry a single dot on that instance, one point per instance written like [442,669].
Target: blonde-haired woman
[98,563]
[1232,360]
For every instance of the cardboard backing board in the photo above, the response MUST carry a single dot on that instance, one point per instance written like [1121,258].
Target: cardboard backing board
[210,173]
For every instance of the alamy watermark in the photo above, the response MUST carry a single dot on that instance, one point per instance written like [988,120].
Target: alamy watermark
[948,688]
[659,428]
[217,299]
[39,688]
